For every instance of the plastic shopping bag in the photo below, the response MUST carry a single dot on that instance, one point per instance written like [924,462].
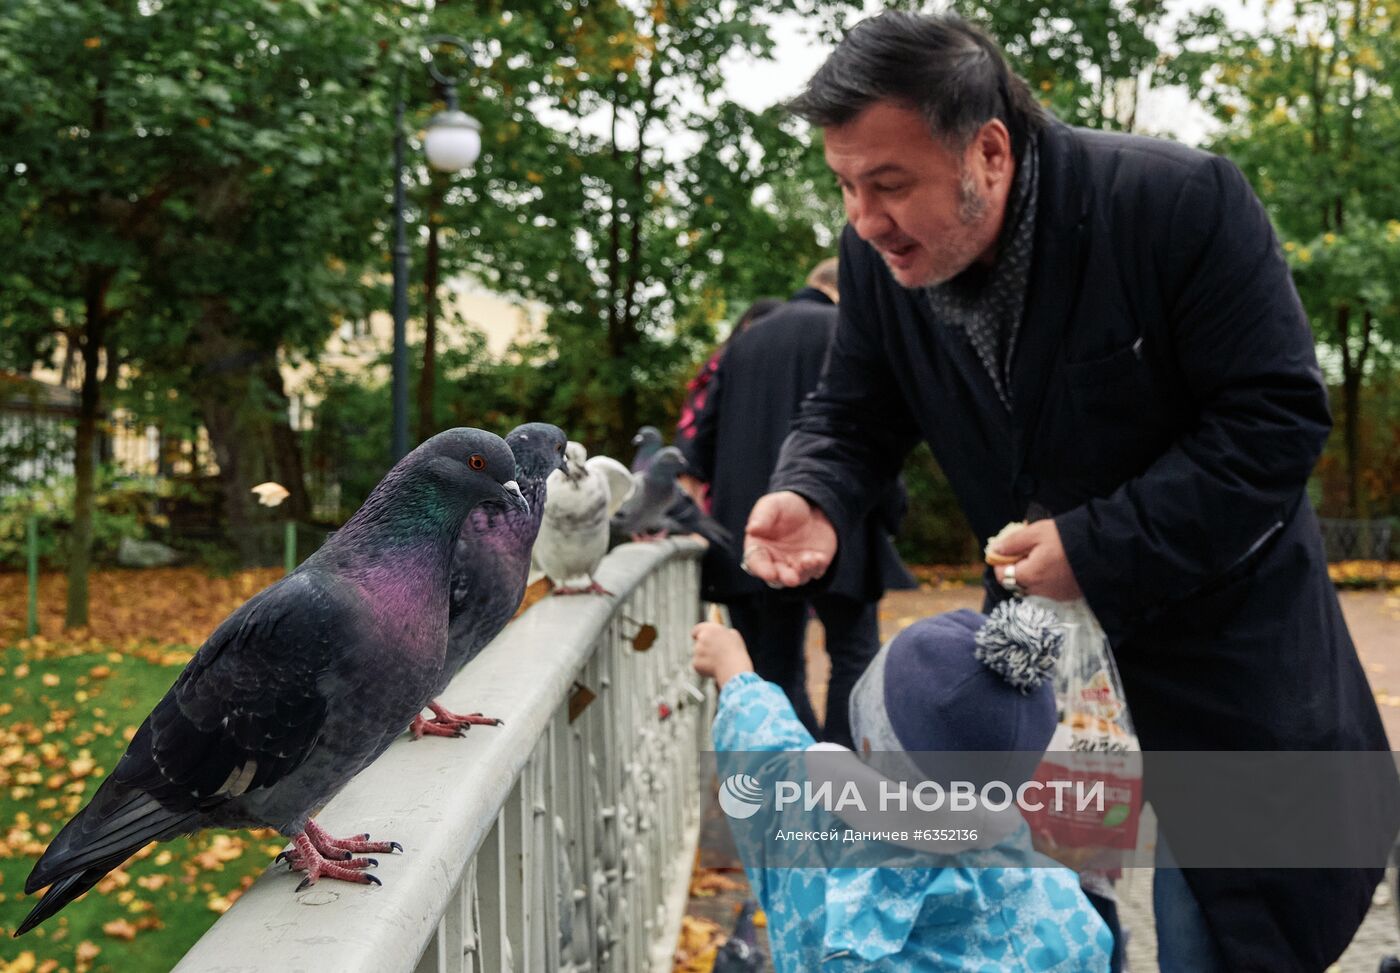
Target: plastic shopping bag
[1095,727]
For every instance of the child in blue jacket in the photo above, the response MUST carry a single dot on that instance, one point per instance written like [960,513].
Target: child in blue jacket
[955,682]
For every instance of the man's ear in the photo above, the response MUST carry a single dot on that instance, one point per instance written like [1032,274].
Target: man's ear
[990,154]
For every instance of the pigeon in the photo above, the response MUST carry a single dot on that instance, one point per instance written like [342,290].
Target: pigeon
[574,535]
[491,567]
[659,506]
[648,441]
[300,688]
[740,952]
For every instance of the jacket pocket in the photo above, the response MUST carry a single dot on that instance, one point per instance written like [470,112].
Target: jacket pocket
[1118,419]
[1116,368]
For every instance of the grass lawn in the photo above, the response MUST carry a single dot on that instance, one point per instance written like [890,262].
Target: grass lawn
[68,704]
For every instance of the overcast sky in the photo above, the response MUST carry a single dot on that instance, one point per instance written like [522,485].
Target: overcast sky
[759,84]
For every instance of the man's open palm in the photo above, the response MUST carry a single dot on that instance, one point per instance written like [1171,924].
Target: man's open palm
[787,542]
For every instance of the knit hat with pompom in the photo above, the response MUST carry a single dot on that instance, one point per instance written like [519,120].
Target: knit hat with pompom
[963,681]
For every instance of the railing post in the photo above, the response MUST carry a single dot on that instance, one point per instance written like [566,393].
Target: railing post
[289,547]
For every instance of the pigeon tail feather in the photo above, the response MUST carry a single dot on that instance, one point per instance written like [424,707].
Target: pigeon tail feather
[77,874]
[104,839]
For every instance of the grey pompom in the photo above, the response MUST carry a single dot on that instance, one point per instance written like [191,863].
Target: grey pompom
[1021,643]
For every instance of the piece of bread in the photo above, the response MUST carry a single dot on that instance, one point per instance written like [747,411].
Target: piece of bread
[990,553]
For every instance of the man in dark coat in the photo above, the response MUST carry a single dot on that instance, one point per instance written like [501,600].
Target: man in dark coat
[1102,328]
[759,384]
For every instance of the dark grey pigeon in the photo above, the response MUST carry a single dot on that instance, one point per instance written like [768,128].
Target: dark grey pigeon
[648,442]
[659,506]
[300,688]
[492,566]
[740,952]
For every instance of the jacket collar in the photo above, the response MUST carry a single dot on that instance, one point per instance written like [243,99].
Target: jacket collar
[811,294]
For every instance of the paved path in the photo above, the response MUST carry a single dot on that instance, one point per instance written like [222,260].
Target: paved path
[1374,620]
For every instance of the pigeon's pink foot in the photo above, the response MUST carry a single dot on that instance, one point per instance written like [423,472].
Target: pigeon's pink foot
[432,728]
[646,538]
[445,715]
[333,847]
[304,857]
[446,723]
[592,588]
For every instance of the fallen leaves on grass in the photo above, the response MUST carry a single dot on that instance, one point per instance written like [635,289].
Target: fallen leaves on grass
[129,607]
[222,848]
[120,929]
[25,962]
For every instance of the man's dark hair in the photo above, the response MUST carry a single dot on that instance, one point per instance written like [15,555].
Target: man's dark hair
[941,66]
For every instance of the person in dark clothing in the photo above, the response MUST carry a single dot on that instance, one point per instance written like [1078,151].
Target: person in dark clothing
[760,381]
[697,390]
[1100,326]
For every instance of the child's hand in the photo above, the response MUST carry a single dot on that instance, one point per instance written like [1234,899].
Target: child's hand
[719,652]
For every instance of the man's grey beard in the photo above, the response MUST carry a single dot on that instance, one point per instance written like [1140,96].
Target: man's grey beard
[972,206]
[972,210]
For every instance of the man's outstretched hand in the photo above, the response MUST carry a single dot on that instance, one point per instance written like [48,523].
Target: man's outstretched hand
[788,542]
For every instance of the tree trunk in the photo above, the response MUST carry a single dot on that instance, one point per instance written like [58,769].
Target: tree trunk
[1353,370]
[427,379]
[85,450]
[1351,412]
[244,406]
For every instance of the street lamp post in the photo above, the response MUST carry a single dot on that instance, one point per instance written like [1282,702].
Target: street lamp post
[451,143]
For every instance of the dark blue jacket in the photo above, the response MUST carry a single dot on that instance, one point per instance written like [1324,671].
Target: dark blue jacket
[759,385]
[1167,410]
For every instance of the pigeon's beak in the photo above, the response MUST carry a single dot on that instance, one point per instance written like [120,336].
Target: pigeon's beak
[517,498]
[637,439]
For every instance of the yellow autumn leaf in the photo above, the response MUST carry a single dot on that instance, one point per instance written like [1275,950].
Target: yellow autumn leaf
[120,929]
[25,962]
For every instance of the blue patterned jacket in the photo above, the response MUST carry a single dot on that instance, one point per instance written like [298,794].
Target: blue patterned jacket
[979,920]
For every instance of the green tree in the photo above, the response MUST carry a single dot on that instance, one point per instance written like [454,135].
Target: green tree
[1090,61]
[196,190]
[621,189]
[74,196]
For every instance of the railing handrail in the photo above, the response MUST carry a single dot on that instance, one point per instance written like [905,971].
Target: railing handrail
[438,798]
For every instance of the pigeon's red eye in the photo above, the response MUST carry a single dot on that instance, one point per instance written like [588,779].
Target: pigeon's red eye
[477,462]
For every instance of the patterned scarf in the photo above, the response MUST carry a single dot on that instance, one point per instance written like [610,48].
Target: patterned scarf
[986,305]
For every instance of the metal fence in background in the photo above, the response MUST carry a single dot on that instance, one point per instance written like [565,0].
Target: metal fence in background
[562,840]
[1356,540]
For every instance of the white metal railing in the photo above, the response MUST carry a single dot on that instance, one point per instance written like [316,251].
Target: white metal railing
[543,844]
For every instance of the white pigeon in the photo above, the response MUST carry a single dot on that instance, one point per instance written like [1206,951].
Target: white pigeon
[579,502]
